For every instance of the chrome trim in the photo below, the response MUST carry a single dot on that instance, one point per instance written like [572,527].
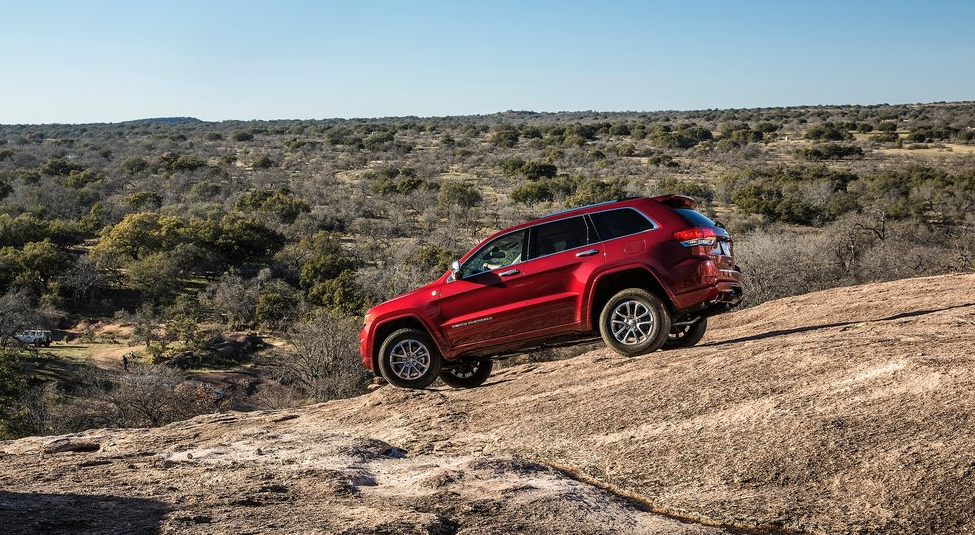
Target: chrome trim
[590,252]
[654,226]
[509,272]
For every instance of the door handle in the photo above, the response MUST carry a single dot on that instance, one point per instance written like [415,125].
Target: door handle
[587,252]
[509,273]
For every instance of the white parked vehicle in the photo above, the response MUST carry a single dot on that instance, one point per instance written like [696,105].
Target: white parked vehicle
[35,337]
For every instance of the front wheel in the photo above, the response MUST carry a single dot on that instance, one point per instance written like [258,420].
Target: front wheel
[686,335]
[467,374]
[634,322]
[408,358]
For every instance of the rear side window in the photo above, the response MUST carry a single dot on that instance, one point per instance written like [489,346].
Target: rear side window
[559,236]
[695,218]
[615,223]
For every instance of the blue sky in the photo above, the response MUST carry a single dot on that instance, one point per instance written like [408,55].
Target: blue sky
[103,61]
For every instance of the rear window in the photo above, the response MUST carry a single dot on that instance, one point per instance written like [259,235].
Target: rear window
[695,218]
[615,223]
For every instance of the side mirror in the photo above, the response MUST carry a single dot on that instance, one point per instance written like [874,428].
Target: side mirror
[455,270]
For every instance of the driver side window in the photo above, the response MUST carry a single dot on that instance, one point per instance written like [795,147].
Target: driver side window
[501,252]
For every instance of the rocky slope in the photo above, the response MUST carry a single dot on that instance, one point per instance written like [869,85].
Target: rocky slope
[845,411]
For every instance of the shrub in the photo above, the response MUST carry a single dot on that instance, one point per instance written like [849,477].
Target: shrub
[885,137]
[324,361]
[504,136]
[134,165]
[462,194]
[699,190]
[264,162]
[13,388]
[830,151]
[538,170]
[532,192]
[60,167]
[278,202]
[828,132]
[592,191]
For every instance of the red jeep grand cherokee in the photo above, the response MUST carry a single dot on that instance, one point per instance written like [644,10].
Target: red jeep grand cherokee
[643,273]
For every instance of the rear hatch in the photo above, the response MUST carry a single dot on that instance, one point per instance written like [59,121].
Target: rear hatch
[709,239]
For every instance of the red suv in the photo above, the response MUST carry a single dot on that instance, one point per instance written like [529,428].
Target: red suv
[643,273]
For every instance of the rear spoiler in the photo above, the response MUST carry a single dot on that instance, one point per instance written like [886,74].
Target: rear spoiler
[676,201]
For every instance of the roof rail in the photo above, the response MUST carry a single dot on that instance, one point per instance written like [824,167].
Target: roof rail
[557,212]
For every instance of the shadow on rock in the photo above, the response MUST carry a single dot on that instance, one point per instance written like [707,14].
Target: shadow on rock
[29,513]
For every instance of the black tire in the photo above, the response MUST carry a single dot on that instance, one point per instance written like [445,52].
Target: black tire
[621,329]
[686,335]
[408,358]
[467,374]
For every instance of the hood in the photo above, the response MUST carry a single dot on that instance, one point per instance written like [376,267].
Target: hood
[415,297]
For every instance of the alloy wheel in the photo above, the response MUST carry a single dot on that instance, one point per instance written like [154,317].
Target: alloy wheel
[409,359]
[631,322]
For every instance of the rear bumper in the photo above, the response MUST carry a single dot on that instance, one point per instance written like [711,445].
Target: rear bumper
[717,297]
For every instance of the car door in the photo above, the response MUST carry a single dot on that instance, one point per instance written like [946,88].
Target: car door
[489,301]
[562,256]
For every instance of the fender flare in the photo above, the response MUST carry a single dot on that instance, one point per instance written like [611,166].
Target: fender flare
[594,284]
[375,344]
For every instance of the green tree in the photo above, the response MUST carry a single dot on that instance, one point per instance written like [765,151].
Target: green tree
[276,303]
[341,294]
[45,259]
[278,202]
[157,275]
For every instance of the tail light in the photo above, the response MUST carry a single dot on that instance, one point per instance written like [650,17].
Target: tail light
[697,237]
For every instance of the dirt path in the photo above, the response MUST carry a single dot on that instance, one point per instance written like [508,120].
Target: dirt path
[845,411]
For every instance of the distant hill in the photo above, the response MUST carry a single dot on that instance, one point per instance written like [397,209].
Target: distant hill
[164,120]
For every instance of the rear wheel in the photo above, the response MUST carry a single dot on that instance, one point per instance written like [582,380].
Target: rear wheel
[634,322]
[467,374]
[686,334]
[408,358]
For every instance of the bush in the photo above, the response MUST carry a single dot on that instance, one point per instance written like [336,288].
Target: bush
[592,191]
[277,202]
[60,167]
[504,136]
[538,170]
[803,195]
[264,162]
[134,165]
[828,132]
[885,137]
[13,388]
[692,188]
[462,194]
[830,151]
[323,363]
[532,193]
